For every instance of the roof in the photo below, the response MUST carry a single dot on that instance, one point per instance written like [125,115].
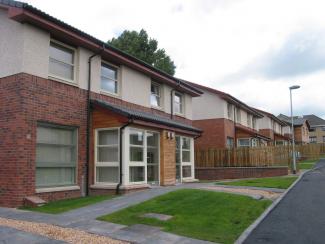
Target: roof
[227,97]
[145,116]
[297,121]
[27,17]
[314,120]
[272,116]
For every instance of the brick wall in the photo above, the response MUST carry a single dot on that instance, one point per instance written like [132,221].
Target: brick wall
[237,172]
[167,160]
[25,100]
[215,132]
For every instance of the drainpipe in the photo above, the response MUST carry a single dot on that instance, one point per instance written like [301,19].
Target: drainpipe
[88,117]
[117,191]
[172,100]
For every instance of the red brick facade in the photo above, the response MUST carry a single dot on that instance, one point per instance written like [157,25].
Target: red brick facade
[238,172]
[215,132]
[26,100]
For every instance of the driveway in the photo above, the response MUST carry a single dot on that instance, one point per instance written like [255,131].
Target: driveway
[300,216]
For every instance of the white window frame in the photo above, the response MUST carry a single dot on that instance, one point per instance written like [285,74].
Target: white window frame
[127,162]
[238,140]
[191,163]
[107,164]
[159,96]
[59,78]
[249,120]
[137,163]
[230,111]
[103,62]
[238,118]
[182,107]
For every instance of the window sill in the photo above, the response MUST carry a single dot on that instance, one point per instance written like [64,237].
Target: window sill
[103,186]
[157,108]
[180,114]
[67,82]
[189,180]
[109,94]
[55,189]
[125,187]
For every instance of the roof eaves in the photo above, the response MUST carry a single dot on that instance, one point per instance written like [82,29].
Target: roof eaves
[44,15]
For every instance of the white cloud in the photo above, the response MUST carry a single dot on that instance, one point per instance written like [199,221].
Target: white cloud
[211,39]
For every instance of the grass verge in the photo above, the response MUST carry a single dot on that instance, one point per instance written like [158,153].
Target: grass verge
[213,216]
[307,164]
[61,206]
[274,182]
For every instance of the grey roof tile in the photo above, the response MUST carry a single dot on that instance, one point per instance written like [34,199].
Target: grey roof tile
[136,114]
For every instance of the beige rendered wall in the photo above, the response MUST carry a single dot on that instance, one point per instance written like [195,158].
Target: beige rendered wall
[209,106]
[11,45]
[319,133]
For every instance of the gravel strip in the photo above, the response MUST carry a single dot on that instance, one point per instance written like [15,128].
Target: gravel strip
[58,233]
[264,193]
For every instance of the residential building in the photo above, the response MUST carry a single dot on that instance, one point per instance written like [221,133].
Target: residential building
[273,128]
[226,121]
[301,128]
[317,128]
[78,116]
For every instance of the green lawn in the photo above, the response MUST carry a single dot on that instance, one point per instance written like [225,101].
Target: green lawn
[274,182]
[68,204]
[307,164]
[213,216]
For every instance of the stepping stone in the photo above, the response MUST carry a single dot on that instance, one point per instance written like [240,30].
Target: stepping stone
[162,217]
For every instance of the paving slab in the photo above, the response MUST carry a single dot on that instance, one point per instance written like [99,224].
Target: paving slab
[13,236]
[162,217]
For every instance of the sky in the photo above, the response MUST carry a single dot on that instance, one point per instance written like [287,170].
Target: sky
[251,49]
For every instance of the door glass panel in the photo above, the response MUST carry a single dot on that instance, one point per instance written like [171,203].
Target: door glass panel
[152,158]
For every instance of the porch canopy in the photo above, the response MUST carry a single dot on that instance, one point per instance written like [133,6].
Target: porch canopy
[138,117]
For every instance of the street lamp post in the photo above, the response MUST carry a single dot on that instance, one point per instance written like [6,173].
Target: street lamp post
[294,166]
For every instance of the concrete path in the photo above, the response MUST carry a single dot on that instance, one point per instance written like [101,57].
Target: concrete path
[10,235]
[300,217]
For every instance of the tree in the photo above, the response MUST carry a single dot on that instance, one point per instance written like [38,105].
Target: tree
[139,45]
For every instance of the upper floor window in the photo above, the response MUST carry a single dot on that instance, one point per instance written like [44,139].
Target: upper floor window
[108,81]
[155,96]
[254,123]
[230,111]
[238,115]
[178,103]
[61,61]
[323,138]
[323,128]
[249,120]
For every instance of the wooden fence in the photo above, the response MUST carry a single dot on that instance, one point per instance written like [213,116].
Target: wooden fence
[269,156]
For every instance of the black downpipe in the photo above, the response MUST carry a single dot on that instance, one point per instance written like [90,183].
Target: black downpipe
[117,191]
[88,118]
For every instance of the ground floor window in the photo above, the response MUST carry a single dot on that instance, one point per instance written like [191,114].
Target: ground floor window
[143,163]
[56,156]
[184,158]
[244,142]
[107,156]
[279,143]
[230,142]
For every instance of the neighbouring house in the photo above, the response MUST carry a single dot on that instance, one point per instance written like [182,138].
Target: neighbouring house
[273,128]
[301,128]
[226,121]
[78,116]
[317,128]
